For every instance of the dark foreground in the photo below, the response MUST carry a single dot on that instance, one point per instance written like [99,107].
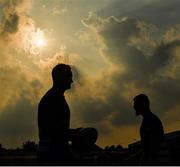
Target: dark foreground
[18,161]
[112,155]
[17,158]
[104,158]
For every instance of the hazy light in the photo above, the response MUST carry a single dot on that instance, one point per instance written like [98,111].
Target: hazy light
[34,40]
[40,42]
[38,39]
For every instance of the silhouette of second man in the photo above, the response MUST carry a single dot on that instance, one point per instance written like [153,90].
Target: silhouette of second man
[151,131]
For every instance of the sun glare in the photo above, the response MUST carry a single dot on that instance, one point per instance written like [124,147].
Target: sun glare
[39,39]
[34,40]
[40,42]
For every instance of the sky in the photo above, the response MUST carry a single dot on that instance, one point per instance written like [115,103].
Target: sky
[117,49]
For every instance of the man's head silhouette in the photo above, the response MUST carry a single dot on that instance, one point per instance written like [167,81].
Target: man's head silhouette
[62,77]
[141,104]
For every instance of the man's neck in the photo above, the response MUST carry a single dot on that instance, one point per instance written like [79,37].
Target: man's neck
[58,89]
[146,113]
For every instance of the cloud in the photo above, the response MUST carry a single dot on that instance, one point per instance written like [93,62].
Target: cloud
[20,88]
[19,96]
[162,13]
[10,15]
[58,11]
[105,99]
[24,79]
[18,121]
[135,56]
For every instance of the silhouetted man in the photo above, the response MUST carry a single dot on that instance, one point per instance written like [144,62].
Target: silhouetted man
[54,121]
[151,130]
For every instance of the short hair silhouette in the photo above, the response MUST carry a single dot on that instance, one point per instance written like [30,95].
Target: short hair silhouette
[143,99]
[60,72]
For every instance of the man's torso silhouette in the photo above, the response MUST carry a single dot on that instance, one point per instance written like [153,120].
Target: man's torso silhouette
[53,123]
[53,117]
[151,130]
[152,134]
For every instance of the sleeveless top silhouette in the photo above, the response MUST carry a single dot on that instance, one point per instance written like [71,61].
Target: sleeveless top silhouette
[152,134]
[54,119]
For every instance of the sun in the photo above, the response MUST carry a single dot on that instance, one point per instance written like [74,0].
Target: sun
[39,39]
[34,40]
[40,42]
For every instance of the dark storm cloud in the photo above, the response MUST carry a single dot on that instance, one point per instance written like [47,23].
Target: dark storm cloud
[163,13]
[11,24]
[116,34]
[9,17]
[163,54]
[165,82]
[13,15]
[165,94]
[147,74]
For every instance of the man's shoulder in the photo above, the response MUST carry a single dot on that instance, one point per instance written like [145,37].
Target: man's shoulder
[151,118]
[155,120]
[48,96]
[51,96]
[155,117]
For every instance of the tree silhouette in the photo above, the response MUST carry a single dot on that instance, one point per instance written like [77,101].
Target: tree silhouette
[30,146]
